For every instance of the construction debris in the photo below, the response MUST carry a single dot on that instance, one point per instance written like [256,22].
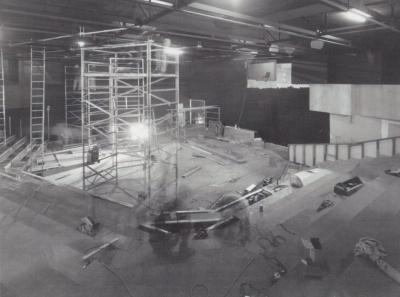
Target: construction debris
[209,157]
[191,171]
[325,204]
[239,135]
[230,155]
[374,251]
[393,172]
[88,226]
[93,155]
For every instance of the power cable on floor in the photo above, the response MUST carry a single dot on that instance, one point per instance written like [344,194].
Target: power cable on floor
[199,286]
[119,278]
[239,276]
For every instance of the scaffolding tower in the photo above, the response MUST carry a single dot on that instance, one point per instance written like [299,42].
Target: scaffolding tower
[37,116]
[72,96]
[130,97]
[3,134]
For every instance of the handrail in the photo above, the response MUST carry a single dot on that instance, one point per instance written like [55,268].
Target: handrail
[346,143]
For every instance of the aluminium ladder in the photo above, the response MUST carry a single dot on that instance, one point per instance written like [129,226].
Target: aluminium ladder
[3,135]
[37,124]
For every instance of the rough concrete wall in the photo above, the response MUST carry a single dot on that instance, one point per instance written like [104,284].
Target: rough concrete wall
[347,129]
[380,101]
[279,115]
[17,94]
[17,89]
[356,68]
[306,71]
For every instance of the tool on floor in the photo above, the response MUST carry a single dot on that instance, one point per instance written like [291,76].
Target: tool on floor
[373,250]
[88,258]
[325,204]
[280,272]
[88,226]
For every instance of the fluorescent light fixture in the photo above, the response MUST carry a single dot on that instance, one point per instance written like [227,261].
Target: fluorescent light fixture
[357,15]
[173,51]
[81,43]
[254,52]
[160,2]
[360,12]
[138,131]
[274,48]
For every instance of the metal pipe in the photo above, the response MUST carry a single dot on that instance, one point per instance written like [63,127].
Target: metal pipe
[30,30]
[360,31]
[277,27]
[54,17]
[70,36]
[372,19]
[83,120]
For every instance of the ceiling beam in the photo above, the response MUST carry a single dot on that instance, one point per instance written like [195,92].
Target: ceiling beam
[300,12]
[55,17]
[246,20]
[339,30]
[178,5]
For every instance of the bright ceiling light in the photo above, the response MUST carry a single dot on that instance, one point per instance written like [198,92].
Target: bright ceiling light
[160,2]
[357,15]
[80,43]
[138,131]
[173,51]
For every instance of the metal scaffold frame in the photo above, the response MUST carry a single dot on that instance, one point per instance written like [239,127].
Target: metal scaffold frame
[3,133]
[130,98]
[72,96]
[37,103]
[200,114]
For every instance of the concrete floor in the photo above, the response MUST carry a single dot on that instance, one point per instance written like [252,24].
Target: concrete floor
[41,251]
